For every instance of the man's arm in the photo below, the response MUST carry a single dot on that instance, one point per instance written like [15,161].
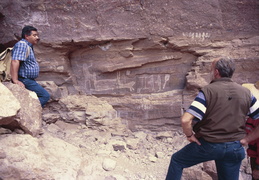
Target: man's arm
[15,64]
[253,114]
[187,127]
[250,137]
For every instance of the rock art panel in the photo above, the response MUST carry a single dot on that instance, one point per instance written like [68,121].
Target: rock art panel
[99,71]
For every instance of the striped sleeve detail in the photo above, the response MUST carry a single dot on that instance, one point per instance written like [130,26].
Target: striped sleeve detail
[254,108]
[198,106]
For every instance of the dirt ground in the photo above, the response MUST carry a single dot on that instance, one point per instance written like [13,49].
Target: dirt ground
[131,156]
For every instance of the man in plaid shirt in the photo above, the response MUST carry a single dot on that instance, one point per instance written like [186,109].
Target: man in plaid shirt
[24,67]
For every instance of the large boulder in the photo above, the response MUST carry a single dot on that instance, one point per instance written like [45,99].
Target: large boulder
[10,106]
[23,107]
[47,157]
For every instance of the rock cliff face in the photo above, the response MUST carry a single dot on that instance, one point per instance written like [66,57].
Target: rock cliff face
[111,66]
[145,58]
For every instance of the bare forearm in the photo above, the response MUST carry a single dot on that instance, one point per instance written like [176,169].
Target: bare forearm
[187,124]
[187,127]
[251,136]
[15,64]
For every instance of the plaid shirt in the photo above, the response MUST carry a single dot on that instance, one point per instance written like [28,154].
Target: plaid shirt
[29,67]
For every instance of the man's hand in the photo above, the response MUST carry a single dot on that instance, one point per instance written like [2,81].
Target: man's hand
[19,83]
[193,139]
[250,137]
[244,142]
[255,174]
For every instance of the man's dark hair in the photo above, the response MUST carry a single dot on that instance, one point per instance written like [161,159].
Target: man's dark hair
[27,31]
[226,67]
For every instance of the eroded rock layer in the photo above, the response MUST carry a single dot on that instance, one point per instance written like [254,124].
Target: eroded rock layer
[145,58]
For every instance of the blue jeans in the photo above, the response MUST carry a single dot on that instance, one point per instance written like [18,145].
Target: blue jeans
[227,156]
[32,85]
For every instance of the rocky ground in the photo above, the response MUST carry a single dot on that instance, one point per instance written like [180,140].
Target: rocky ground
[128,156]
[134,156]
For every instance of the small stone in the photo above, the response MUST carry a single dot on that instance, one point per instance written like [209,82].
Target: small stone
[119,146]
[159,154]
[141,135]
[132,144]
[110,178]
[5,131]
[152,159]
[109,164]
[162,135]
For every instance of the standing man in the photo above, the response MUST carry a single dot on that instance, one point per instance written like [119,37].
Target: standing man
[220,110]
[24,67]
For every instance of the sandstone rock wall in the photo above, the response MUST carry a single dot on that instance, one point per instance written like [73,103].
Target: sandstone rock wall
[85,140]
[111,63]
[146,58]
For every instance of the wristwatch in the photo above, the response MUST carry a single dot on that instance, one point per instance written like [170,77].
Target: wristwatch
[190,135]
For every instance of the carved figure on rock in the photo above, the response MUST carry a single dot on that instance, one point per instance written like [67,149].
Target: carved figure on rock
[24,70]
[220,111]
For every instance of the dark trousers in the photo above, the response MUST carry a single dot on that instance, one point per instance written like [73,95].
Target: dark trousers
[253,163]
[227,156]
[32,85]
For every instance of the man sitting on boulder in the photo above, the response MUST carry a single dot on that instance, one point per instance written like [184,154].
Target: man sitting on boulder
[24,67]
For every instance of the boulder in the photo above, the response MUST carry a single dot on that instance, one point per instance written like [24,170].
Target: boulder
[26,157]
[29,118]
[10,106]
[21,109]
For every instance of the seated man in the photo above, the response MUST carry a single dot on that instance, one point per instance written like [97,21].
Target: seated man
[24,67]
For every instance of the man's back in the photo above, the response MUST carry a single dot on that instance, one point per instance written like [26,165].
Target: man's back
[227,105]
[220,109]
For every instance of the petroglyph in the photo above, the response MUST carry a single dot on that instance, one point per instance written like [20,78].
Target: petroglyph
[125,85]
[197,35]
[40,18]
[87,77]
[152,83]
[167,77]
